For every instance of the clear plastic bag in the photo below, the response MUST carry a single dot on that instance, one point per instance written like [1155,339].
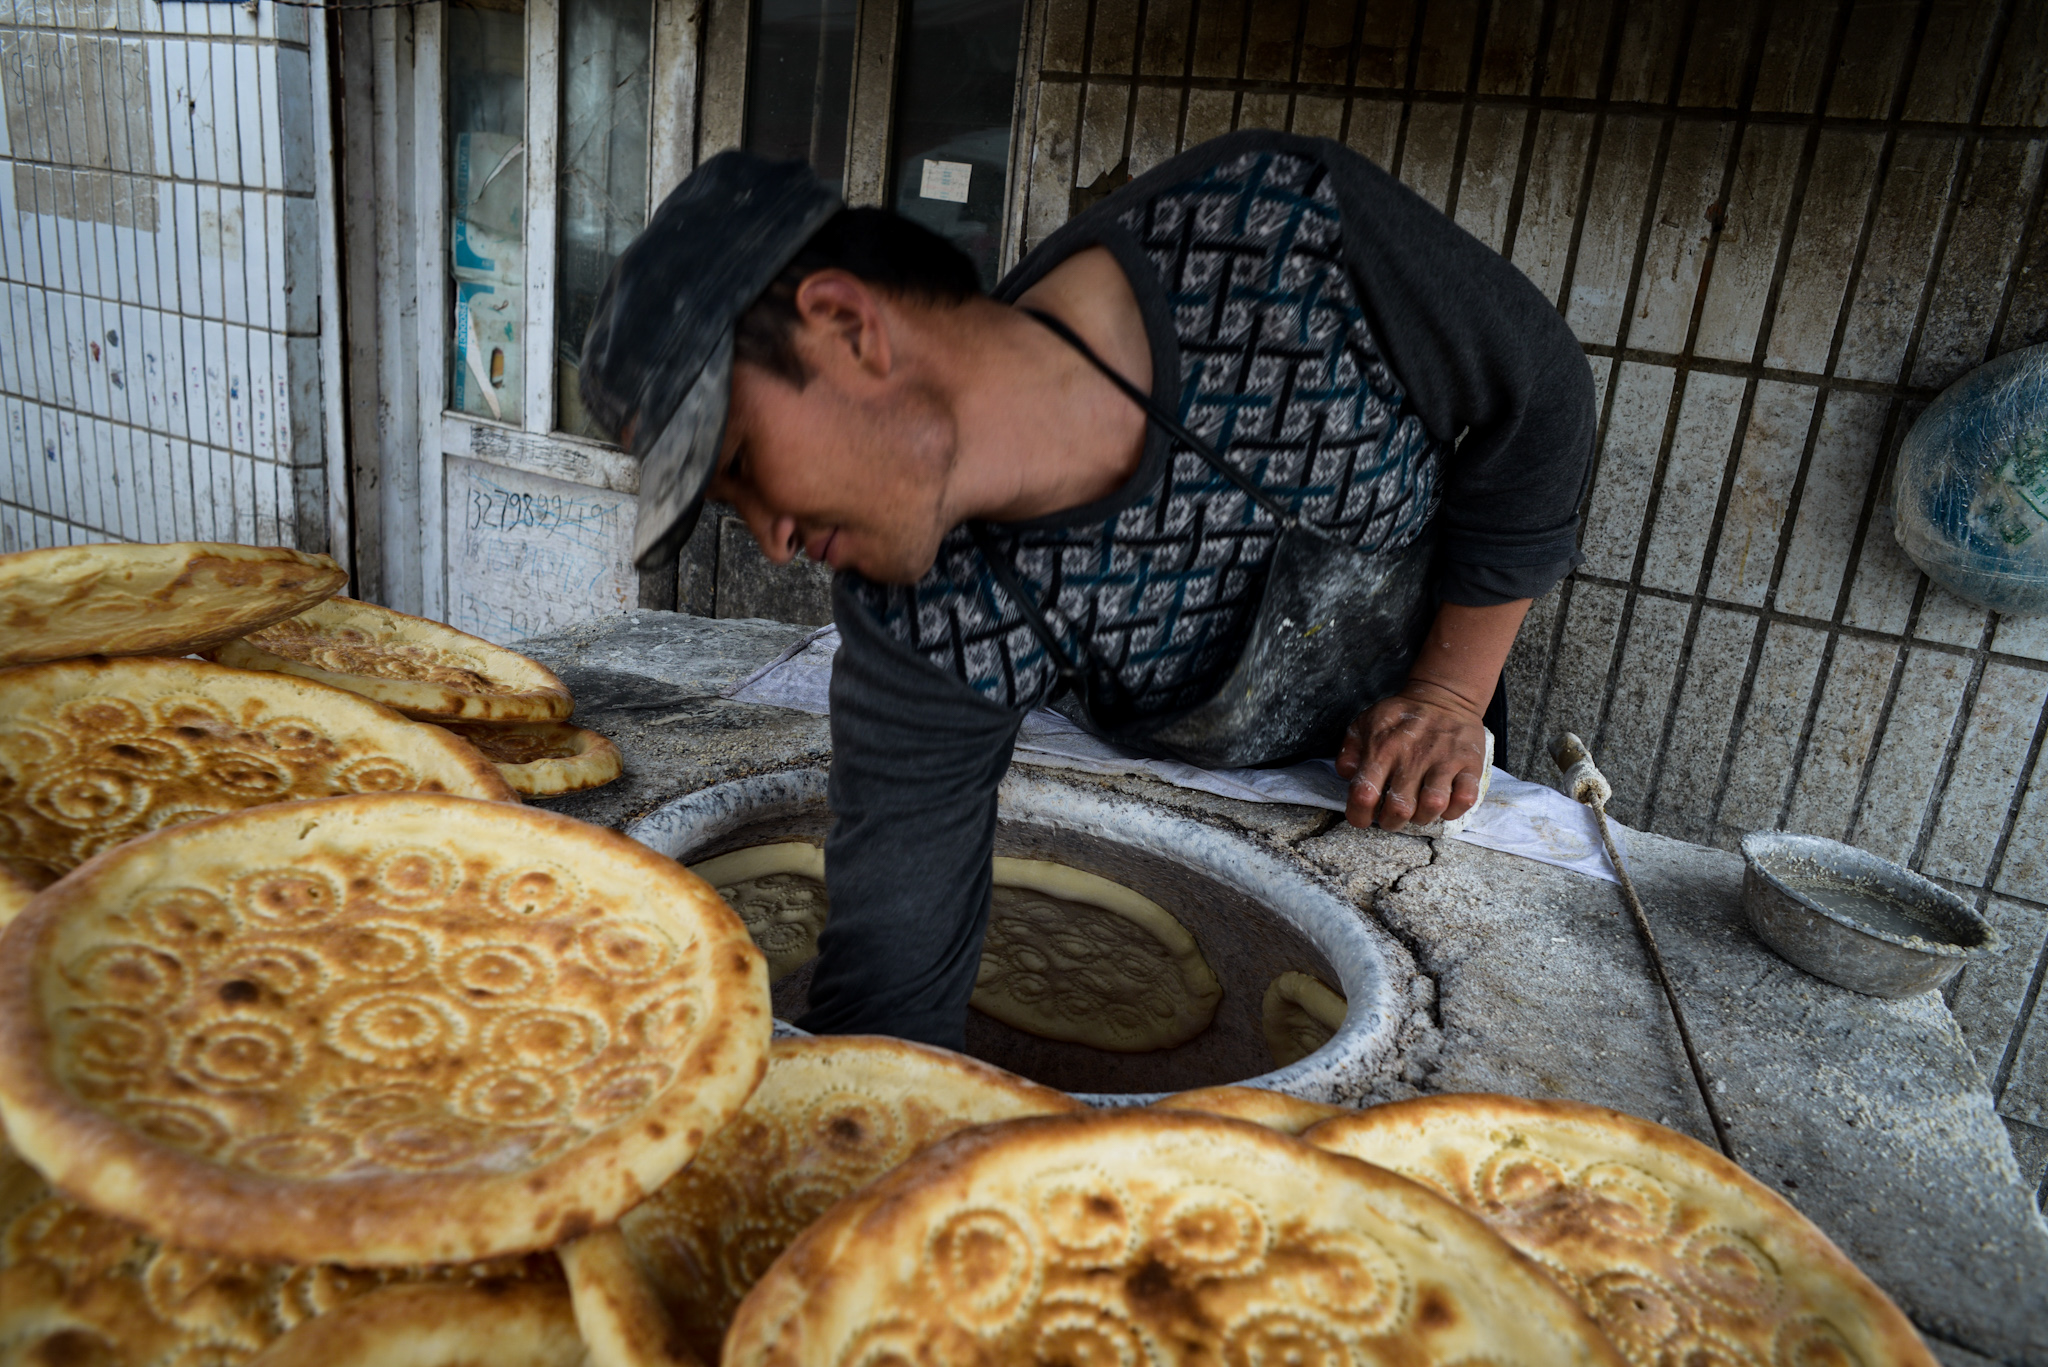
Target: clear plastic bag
[1971,489]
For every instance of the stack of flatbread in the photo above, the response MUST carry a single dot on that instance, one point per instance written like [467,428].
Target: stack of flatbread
[305,1083]
[106,734]
[174,599]
[316,1047]
[95,752]
[510,708]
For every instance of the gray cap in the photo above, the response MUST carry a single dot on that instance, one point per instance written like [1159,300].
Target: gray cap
[658,357]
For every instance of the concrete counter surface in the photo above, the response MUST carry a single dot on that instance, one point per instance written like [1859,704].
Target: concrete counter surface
[1868,1115]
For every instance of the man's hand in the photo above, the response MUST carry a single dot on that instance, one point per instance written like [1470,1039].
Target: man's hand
[1418,755]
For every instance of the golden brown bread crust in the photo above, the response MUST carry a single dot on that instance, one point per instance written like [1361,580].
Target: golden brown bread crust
[1142,1235]
[621,1319]
[831,1115]
[1299,1015]
[488,1324]
[95,752]
[426,669]
[1070,955]
[375,1030]
[1675,1251]
[14,895]
[79,1287]
[171,599]
[1274,1110]
[543,758]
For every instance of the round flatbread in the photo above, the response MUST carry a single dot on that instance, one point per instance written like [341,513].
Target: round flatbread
[14,895]
[375,1030]
[425,669]
[506,1324]
[1070,956]
[77,1287]
[832,1115]
[172,599]
[1274,1110]
[779,892]
[1151,1236]
[1677,1253]
[1300,1015]
[543,758]
[96,752]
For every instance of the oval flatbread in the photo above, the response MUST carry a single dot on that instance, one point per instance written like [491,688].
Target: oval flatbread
[77,1287]
[1274,1110]
[543,758]
[1300,1015]
[1677,1253]
[1151,1236]
[172,599]
[506,1324]
[832,1115]
[95,752]
[779,892]
[1070,956]
[375,1030]
[425,669]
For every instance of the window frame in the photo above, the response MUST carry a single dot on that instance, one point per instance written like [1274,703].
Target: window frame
[697,108]
[534,445]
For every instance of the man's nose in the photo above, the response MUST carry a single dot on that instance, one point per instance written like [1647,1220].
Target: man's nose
[775,534]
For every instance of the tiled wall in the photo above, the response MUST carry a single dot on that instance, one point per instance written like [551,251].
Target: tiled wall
[159,363]
[1778,230]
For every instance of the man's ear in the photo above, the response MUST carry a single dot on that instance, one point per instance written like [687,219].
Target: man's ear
[846,321]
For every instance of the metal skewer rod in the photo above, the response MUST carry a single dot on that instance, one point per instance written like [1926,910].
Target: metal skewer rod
[1583,782]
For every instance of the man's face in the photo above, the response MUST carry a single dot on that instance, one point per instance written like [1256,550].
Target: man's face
[850,467]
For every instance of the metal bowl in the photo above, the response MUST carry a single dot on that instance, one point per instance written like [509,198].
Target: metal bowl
[1859,921]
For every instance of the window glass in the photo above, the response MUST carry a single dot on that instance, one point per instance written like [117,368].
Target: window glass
[602,177]
[800,83]
[486,84]
[957,86]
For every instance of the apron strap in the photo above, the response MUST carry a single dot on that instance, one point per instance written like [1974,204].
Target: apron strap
[1171,425]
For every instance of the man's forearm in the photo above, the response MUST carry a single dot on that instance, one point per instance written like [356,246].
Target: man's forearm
[1460,662]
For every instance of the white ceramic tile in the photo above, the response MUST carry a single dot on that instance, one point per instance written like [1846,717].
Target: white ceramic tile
[1680,232]
[1429,151]
[1690,488]
[1155,128]
[1607,240]
[1779,419]
[1844,733]
[1626,467]
[1831,504]
[1760,771]
[1981,787]
[1909,754]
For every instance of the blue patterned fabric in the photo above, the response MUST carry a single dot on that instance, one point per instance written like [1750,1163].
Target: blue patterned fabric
[1280,373]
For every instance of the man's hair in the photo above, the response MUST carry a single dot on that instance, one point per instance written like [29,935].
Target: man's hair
[880,247]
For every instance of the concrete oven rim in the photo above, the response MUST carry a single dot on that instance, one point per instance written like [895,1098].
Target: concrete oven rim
[1367,960]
